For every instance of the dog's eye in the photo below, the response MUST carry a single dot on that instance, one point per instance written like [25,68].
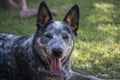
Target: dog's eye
[48,35]
[65,36]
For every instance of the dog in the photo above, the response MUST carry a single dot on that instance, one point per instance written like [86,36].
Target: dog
[44,54]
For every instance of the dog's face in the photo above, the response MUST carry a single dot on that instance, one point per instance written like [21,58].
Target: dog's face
[56,38]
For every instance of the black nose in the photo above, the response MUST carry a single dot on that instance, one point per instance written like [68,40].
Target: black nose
[57,52]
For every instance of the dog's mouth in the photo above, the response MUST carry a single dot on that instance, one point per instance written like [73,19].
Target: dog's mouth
[55,65]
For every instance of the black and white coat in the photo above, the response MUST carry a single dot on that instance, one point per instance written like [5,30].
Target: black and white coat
[26,57]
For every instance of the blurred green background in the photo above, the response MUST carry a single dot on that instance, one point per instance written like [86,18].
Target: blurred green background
[97,48]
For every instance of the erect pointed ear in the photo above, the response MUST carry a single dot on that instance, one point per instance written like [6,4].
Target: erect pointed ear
[44,15]
[72,17]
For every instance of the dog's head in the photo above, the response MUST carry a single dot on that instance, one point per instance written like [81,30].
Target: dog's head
[56,38]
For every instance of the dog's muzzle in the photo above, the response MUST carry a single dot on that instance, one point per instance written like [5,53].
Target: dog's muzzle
[56,60]
[57,52]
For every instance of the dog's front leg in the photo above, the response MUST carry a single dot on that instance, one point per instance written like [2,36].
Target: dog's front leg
[77,76]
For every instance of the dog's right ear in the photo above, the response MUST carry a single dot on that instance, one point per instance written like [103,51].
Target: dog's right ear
[44,15]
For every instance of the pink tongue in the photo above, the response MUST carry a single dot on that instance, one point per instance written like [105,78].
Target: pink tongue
[56,65]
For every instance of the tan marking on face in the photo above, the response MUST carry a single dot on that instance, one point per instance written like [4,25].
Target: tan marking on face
[43,52]
[68,53]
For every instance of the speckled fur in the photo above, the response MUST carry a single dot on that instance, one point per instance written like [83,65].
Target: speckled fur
[25,57]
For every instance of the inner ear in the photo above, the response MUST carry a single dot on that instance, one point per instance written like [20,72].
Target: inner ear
[72,17]
[44,15]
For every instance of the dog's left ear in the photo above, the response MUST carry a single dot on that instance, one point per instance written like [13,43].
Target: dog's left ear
[72,17]
[44,15]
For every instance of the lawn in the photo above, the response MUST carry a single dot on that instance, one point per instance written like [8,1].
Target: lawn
[97,48]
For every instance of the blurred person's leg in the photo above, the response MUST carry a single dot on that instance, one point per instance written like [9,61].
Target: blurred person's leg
[25,11]
[23,4]
[10,4]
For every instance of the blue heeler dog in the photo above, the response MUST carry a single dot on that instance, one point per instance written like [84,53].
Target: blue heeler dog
[44,54]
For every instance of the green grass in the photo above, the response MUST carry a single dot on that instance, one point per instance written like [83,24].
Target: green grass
[97,48]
